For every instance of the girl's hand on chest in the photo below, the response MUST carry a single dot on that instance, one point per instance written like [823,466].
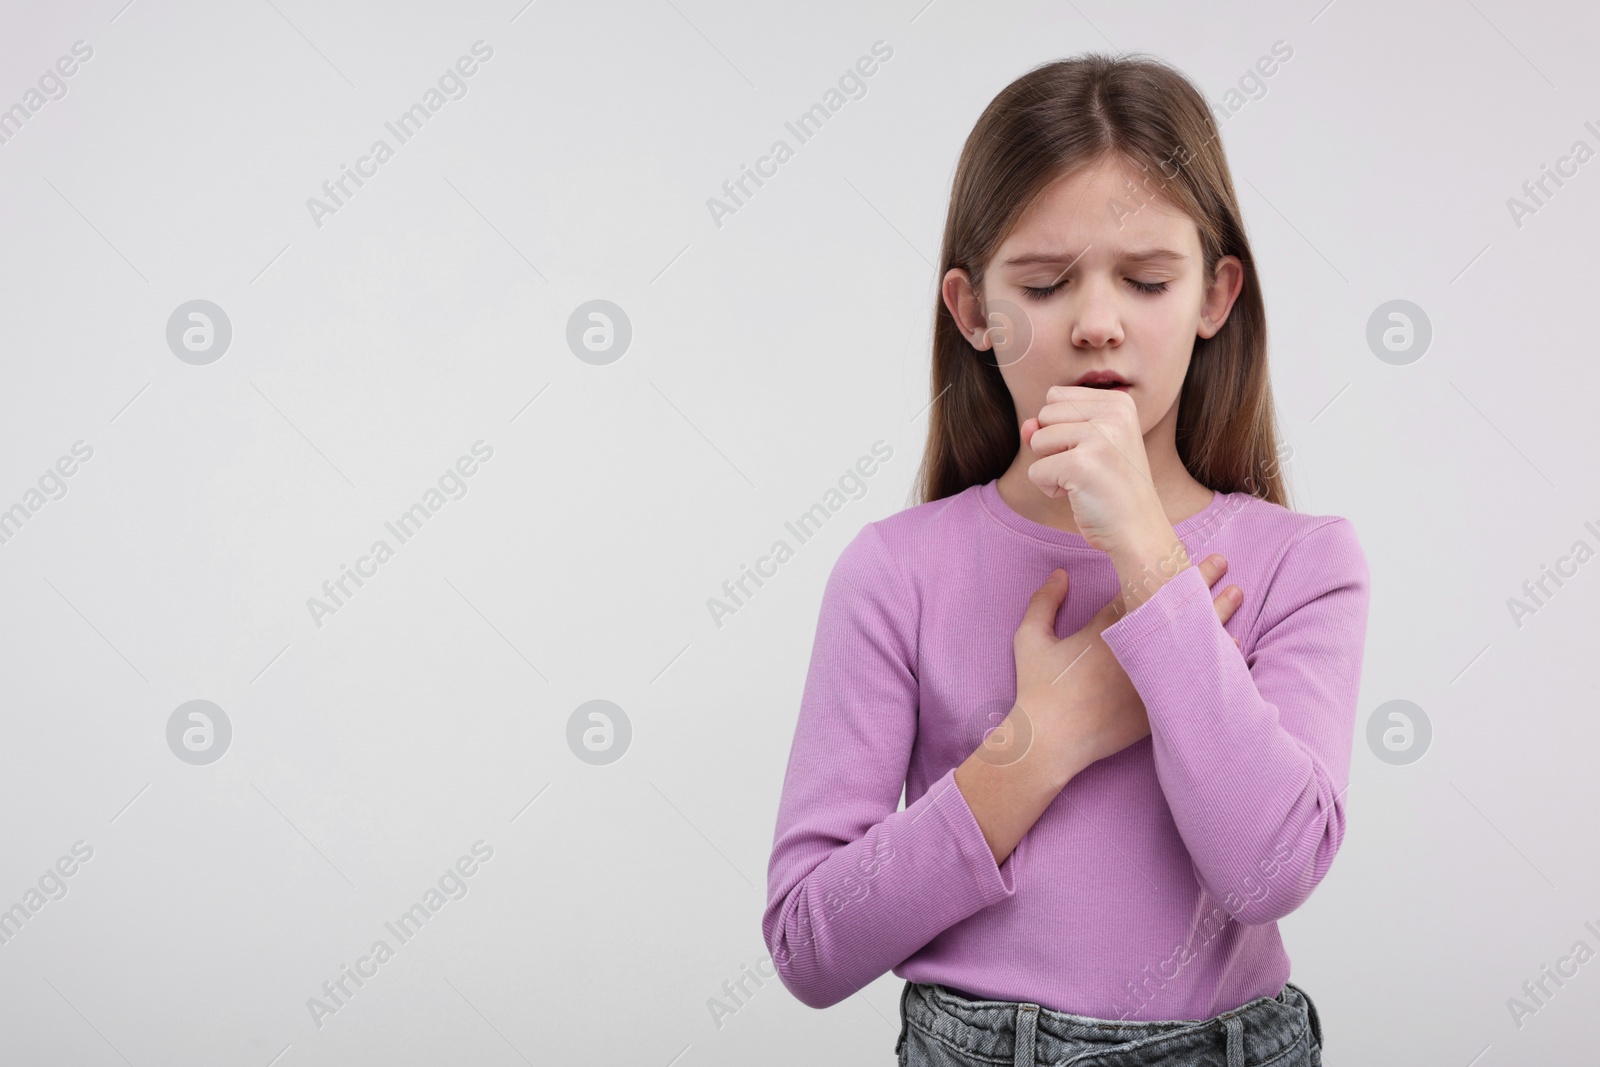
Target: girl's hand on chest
[1074,700]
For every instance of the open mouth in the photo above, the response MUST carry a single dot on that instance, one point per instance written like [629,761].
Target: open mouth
[1102,378]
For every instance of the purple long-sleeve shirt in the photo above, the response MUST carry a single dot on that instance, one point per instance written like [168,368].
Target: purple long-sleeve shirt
[1151,885]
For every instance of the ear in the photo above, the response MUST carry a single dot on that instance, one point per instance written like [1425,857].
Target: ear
[965,307]
[1220,296]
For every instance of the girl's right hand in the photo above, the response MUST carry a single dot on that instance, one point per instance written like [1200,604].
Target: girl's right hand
[1075,699]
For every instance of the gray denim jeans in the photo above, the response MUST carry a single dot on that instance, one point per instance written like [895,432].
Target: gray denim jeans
[942,1028]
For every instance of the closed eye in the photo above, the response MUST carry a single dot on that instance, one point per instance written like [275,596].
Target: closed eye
[1035,292]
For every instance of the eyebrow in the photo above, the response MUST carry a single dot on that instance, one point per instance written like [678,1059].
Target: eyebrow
[1148,255]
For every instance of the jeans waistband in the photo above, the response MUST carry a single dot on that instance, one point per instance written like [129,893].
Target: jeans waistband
[1006,1032]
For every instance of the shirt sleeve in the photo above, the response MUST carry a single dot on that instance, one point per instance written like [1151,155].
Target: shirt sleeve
[1253,751]
[855,886]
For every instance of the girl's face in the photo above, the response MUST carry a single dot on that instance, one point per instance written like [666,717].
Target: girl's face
[1097,275]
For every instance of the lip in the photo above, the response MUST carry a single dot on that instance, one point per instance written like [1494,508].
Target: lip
[1096,377]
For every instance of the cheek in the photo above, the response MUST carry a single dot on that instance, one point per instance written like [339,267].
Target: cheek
[1015,336]
[1173,322]
[1160,391]
[1141,402]
[1019,382]
[1170,336]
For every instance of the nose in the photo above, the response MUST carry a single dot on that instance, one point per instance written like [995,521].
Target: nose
[1096,322]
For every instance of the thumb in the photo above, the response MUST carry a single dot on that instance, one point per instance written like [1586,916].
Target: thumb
[1040,618]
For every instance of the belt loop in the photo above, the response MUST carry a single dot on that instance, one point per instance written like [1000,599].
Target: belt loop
[1235,1030]
[1027,1027]
[1311,1011]
[900,1041]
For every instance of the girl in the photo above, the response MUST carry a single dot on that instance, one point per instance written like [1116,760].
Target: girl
[1100,831]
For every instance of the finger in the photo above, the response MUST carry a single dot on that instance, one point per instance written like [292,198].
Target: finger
[1078,403]
[1029,428]
[1048,439]
[1213,567]
[1062,450]
[1039,621]
[1227,602]
[1069,395]
[1050,474]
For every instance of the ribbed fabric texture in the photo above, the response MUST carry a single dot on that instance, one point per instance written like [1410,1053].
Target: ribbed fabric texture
[1150,887]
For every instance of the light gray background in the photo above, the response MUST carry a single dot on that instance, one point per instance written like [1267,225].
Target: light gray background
[767,355]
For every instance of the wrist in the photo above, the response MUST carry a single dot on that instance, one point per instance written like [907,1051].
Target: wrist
[1057,747]
[1027,749]
[1144,566]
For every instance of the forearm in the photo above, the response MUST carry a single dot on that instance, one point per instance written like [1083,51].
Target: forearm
[1261,818]
[1252,748]
[1011,778]
[835,924]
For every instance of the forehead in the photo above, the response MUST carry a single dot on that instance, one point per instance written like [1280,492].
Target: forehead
[1110,207]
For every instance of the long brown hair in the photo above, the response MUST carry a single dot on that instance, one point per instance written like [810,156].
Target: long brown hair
[1056,120]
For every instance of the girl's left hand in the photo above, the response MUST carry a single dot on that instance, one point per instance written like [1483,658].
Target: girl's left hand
[1091,449]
